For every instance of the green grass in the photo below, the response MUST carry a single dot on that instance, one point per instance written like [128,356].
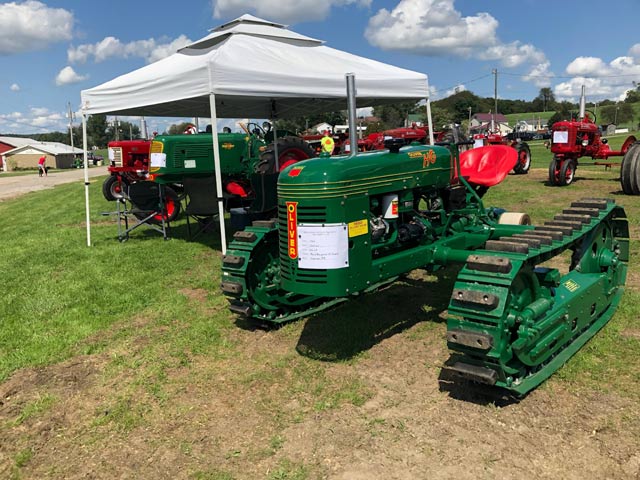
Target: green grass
[60,291]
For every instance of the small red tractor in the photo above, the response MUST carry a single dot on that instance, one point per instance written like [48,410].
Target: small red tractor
[128,163]
[573,139]
[523,164]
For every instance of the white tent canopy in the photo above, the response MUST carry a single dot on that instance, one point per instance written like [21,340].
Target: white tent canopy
[250,68]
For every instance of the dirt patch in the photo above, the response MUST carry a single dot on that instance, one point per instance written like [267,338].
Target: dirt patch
[266,409]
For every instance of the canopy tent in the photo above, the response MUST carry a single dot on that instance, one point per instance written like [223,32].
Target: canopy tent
[251,68]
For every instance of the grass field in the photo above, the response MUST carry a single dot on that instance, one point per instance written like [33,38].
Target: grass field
[121,360]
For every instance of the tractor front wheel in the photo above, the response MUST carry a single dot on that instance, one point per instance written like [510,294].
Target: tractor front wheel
[554,171]
[524,159]
[113,189]
[567,172]
[171,211]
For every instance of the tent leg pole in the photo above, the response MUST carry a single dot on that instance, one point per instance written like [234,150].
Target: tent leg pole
[86,177]
[430,121]
[218,173]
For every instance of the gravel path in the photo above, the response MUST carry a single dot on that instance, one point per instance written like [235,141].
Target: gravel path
[11,187]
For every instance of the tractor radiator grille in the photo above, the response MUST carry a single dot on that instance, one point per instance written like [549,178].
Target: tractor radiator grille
[288,267]
[117,156]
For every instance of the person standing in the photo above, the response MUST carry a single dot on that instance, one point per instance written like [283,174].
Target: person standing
[42,168]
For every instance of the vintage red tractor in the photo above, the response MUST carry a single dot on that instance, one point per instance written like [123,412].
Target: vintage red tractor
[573,139]
[128,163]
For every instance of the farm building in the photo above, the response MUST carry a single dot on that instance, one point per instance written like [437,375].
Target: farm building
[58,155]
[9,143]
[481,122]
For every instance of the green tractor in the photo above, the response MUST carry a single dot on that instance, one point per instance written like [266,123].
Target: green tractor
[347,225]
[248,162]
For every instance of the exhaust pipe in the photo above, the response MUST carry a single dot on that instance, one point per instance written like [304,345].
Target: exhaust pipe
[583,105]
[351,101]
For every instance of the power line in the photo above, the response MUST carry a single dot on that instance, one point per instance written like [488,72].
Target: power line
[463,83]
[570,76]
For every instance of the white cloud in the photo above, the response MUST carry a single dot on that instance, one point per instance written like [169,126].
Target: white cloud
[111,47]
[435,27]
[634,51]
[288,11]
[601,80]
[31,25]
[14,87]
[68,75]
[587,66]
[36,119]
[540,75]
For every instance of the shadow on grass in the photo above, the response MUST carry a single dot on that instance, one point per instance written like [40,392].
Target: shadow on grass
[352,328]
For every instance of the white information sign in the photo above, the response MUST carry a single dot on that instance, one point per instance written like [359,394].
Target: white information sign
[478,142]
[560,137]
[158,160]
[189,164]
[323,246]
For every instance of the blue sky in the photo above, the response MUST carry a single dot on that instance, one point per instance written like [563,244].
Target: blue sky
[51,50]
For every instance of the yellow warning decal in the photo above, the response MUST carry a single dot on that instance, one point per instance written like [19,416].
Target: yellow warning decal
[357,228]
[571,286]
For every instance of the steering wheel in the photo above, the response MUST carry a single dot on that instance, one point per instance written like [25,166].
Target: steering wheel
[594,115]
[256,129]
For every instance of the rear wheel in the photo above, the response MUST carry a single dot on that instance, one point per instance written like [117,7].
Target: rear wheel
[113,189]
[628,170]
[290,150]
[524,159]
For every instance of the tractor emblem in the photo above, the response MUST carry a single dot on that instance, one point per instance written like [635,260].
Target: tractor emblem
[228,146]
[292,229]
[428,158]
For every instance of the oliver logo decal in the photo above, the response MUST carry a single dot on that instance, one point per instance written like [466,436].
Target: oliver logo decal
[228,146]
[292,229]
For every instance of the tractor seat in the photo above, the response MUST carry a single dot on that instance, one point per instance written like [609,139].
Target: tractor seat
[487,166]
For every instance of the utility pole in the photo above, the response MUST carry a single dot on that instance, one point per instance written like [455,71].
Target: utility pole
[495,99]
[469,124]
[71,115]
[116,127]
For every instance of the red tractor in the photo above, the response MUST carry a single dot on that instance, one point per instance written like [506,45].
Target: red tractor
[128,163]
[573,139]
[523,164]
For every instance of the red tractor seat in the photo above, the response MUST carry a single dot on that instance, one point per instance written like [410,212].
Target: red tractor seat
[487,166]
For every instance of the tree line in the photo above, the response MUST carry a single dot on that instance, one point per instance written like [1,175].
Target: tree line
[453,109]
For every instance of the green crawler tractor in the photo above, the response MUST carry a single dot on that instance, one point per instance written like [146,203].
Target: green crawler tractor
[349,225]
